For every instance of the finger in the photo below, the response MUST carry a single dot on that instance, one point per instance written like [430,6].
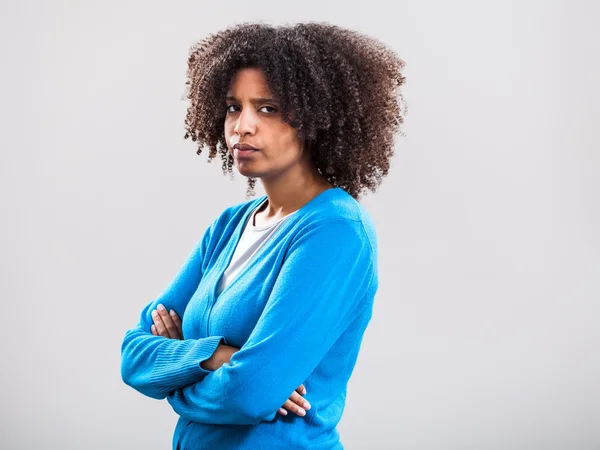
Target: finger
[153,330]
[299,400]
[168,322]
[282,411]
[172,328]
[160,326]
[292,407]
[301,390]
[177,322]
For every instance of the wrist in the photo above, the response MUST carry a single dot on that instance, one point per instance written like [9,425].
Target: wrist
[217,359]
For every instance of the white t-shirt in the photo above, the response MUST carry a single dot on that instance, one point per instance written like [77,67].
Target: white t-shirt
[252,239]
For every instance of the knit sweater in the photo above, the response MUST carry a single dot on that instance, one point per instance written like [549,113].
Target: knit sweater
[297,311]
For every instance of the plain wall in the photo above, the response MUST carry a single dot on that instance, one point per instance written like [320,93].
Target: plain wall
[485,332]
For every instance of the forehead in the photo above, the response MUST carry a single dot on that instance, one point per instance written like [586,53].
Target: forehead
[249,81]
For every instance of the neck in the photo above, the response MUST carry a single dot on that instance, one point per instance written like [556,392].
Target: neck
[291,191]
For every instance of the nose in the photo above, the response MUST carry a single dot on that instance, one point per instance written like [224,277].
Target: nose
[246,122]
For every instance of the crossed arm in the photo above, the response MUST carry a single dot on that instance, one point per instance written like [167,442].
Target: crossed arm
[315,297]
[155,366]
[168,325]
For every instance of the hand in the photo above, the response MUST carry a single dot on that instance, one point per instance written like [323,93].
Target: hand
[166,324]
[295,403]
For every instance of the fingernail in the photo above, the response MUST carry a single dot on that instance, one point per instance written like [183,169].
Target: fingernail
[306,405]
[154,313]
[161,307]
[283,411]
[301,412]
[304,391]
[172,312]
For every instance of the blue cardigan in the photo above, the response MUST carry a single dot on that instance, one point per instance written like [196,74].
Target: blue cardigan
[297,312]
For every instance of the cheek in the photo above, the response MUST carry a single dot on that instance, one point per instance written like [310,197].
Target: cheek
[228,128]
[289,141]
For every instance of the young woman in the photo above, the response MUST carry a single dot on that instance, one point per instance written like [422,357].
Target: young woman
[277,294]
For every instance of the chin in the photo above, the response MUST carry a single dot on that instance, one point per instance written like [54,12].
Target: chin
[247,171]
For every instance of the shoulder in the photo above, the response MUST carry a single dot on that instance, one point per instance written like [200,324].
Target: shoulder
[336,210]
[231,215]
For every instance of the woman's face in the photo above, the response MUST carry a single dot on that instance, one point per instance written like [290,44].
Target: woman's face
[253,118]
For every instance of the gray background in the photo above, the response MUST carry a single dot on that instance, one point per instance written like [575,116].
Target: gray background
[485,333]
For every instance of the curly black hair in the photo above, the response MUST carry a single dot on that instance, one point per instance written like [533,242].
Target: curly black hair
[339,88]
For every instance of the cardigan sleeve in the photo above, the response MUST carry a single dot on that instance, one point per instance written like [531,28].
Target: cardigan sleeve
[317,294]
[154,365]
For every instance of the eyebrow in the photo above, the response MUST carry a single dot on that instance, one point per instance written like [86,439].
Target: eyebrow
[254,100]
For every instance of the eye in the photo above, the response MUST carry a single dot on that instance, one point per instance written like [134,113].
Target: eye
[231,106]
[272,109]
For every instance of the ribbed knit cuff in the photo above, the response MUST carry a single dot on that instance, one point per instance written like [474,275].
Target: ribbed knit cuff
[179,365]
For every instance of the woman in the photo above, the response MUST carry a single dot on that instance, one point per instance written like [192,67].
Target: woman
[277,294]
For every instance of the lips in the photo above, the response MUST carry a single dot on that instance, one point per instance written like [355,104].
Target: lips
[244,147]
[244,150]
